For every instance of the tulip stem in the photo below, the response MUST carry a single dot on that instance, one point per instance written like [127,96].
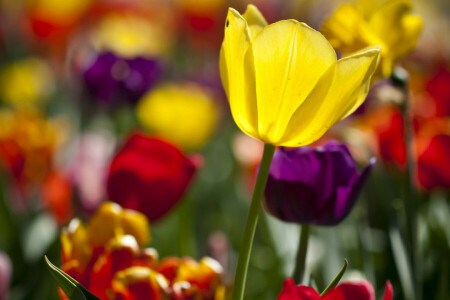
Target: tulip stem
[400,78]
[299,271]
[252,220]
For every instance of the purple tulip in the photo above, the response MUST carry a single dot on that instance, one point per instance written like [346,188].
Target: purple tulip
[314,186]
[5,275]
[112,78]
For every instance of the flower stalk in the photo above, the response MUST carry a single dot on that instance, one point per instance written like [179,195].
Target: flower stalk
[400,78]
[252,220]
[300,266]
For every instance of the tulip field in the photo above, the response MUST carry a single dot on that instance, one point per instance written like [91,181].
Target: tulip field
[224,150]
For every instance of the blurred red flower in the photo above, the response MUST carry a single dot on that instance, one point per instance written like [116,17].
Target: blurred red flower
[433,163]
[56,193]
[431,146]
[438,87]
[362,290]
[149,175]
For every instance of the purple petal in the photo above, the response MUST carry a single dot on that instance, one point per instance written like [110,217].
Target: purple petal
[345,198]
[290,201]
[111,78]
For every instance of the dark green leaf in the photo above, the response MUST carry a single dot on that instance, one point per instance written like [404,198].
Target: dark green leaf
[72,288]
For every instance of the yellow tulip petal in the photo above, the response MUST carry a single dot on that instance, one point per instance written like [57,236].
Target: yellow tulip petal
[255,20]
[241,95]
[136,224]
[254,16]
[343,29]
[98,232]
[289,58]
[347,92]
[74,243]
[385,20]
[412,27]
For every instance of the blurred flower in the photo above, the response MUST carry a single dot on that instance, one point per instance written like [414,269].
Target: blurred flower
[56,194]
[438,88]
[389,132]
[283,81]
[139,283]
[314,186]
[182,113]
[387,23]
[53,19]
[191,279]
[5,275]
[149,175]
[362,290]
[27,144]
[130,35]
[433,164]
[219,248]
[431,145]
[201,23]
[26,82]
[248,152]
[89,167]
[107,258]
[111,242]
[111,78]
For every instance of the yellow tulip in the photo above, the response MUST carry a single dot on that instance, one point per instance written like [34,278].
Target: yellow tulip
[130,36]
[26,82]
[184,113]
[283,81]
[120,222]
[59,10]
[387,23]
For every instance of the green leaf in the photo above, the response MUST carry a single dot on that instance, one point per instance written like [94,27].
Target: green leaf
[336,279]
[401,262]
[72,288]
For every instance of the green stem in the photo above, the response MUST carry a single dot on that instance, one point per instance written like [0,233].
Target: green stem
[299,271]
[336,279]
[252,220]
[400,78]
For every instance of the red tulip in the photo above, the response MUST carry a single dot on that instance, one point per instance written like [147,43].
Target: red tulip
[439,89]
[433,164]
[149,175]
[431,147]
[362,290]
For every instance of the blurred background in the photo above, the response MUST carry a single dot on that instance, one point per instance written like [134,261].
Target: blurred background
[79,77]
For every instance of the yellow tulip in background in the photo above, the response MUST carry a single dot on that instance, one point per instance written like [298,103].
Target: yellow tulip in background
[130,36]
[283,81]
[387,23]
[184,113]
[26,82]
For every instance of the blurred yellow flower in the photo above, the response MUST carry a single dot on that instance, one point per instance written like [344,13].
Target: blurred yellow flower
[137,275]
[78,240]
[27,144]
[184,113]
[59,10]
[26,82]
[131,36]
[121,222]
[387,23]
[283,81]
